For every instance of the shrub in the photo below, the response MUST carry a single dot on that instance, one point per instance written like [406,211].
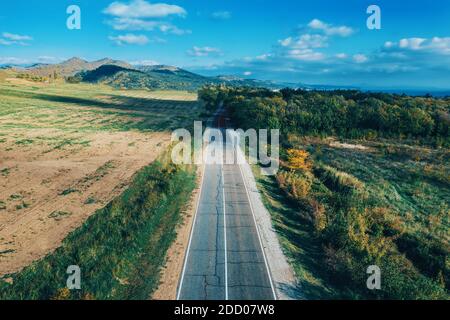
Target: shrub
[297,186]
[299,160]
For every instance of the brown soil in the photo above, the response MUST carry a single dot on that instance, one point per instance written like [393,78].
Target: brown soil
[46,193]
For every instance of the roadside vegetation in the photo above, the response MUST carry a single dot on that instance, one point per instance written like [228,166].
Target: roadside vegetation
[121,248]
[364,180]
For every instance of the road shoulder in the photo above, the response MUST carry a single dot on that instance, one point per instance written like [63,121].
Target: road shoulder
[171,272]
[282,274]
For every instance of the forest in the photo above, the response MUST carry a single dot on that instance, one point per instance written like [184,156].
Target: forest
[344,113]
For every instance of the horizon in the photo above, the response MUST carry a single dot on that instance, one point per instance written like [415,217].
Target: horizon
[323,44]
[412,91]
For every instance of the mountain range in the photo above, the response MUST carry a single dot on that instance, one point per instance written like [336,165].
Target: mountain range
[121,74]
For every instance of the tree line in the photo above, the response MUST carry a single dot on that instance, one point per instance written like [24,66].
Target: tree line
[344,113]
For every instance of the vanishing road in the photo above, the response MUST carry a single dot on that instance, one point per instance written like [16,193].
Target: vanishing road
[225,259]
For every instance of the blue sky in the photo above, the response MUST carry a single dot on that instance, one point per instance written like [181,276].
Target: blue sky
[315,42]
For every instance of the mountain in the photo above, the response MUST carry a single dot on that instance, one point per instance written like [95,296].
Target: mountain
[144,77]
[71,67]
[161,77]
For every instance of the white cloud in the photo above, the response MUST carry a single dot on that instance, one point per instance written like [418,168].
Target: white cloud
[303,47]
[204,51]
[170,28]
[140,15]
[436,44]
[263,57]
[11,39]
[16,37]
[360,58]
[329,29]
[130,39]
[341,56]
[143,9]
[305,55]
[316,35]
[5,42]
[221,15]
[133,24]
[248,73]
[440,44]
[307,41]
[286,42]
[412,43]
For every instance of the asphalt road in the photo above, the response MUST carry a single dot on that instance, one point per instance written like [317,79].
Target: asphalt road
[224,259]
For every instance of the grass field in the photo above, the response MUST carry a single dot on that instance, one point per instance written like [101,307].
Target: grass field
[409,190]
[68,150]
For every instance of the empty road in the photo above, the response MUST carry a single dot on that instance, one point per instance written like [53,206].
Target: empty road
[225,259]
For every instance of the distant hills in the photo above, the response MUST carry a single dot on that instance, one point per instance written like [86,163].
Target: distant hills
[121,74]
[71,67]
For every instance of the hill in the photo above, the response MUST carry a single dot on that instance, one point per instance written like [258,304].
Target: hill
[143,78]
[71,67]
[161,77]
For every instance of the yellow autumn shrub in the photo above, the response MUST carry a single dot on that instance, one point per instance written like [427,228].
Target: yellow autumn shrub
[299,160]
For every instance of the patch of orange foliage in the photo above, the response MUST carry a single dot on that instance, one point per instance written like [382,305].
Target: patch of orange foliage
[299,160]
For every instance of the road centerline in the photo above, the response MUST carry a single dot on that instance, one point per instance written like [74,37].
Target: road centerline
[225,234]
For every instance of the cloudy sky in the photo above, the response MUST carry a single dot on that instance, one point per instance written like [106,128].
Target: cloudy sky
[314,42]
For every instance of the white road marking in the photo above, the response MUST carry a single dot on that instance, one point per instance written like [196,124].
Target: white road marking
[192,232]
[259,236]
[225,235]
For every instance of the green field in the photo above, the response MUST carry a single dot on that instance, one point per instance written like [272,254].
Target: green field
[82,107]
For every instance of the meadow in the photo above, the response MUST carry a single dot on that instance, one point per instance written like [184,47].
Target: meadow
[361,203]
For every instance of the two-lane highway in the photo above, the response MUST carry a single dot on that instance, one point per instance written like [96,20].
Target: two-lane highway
[224,258]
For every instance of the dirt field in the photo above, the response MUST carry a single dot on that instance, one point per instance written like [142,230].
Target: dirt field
[66,151]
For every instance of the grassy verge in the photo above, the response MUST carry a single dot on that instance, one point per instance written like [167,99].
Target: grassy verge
[363,209]
[120,249]
[298,240]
